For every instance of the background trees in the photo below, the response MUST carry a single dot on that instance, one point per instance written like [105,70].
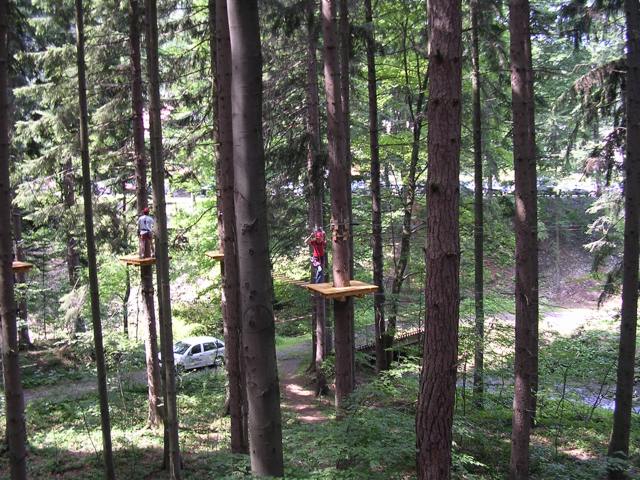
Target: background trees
[580,63]
[91,246]
[162,242]
[376,206]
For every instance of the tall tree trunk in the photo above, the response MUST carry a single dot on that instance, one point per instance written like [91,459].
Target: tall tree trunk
[376,208]
[69,201]
[315,178]
[344,32]
[73,255]
[619,443]
[154,383]
[14,399]
[526,219]
[230,302]
[258,327]
[434,418]
[478,231]
[24,341]
[162,244]
[105,421]
[125,303]
[340,218]
[344,39]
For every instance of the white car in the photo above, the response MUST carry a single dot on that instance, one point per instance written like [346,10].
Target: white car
[198,352]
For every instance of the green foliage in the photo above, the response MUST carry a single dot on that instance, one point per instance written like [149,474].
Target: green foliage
[72,306]
[579,132]
[73,359]
[379,425]
[587,356]
[121,353]
[201,315]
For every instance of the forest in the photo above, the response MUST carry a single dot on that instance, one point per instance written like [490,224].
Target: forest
[323,239]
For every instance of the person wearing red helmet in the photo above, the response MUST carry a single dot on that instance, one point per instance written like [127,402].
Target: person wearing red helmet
[318,241]
[145,233]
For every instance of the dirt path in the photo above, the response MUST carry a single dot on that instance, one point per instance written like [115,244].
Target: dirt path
[297,396]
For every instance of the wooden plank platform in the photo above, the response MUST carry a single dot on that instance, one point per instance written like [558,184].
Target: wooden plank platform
[215,255]
[355,289]
[136,261]
[19,267]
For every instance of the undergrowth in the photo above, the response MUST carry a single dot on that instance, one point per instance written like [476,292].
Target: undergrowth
[374,440]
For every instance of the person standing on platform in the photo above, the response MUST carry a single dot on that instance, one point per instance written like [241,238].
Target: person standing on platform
[318,241]
[145,234]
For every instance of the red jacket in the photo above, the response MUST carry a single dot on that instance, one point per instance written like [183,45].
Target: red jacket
[318,243]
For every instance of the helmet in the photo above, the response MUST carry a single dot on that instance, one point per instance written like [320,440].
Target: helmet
[145,210]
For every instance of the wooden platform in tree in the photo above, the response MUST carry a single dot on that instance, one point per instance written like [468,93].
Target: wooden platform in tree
[19,267]
[215,255]
[355,289]
[136,261]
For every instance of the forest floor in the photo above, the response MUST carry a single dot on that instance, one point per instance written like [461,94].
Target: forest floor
[64,428]
[299,395]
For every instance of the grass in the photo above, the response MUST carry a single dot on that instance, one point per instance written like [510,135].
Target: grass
[65,360]
[376,440]
[284,342]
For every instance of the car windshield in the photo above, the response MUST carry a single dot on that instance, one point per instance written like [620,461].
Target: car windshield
[180,347]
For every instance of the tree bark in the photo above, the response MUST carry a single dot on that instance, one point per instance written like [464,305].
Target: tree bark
[478,231]
[230,302]
[344,32]
[619,443]
[162,244]
[376,207]
[526,220]
[105,421]
[344,39]
[340,217]
[24,341]
[69,201]
[258,327]
[434,417]
[125,303]
[73,255]
[14,399]
[154,383]
[315,178]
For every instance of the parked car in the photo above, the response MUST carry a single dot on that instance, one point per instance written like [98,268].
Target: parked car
[198,352]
